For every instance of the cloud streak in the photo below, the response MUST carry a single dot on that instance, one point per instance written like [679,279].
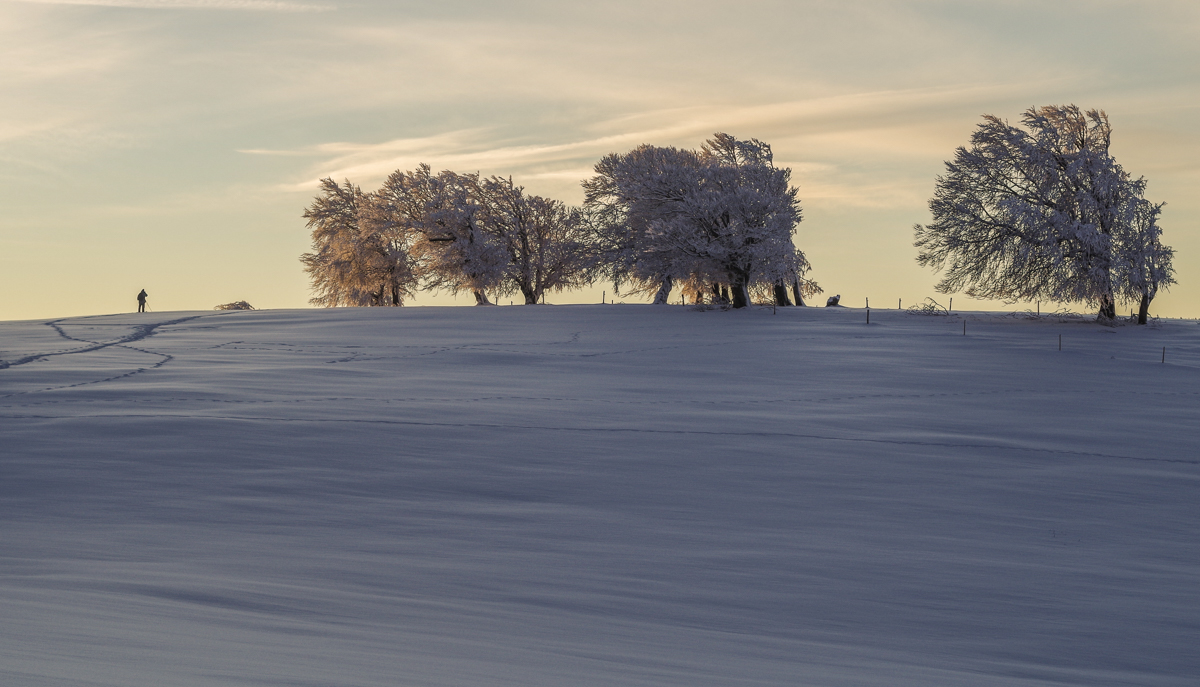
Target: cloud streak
[236,5]
[821,139]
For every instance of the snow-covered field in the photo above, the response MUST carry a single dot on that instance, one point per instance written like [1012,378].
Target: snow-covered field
[597,495]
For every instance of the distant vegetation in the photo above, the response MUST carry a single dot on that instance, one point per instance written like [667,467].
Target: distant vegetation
[236,305]
[1040,212]
[718,221]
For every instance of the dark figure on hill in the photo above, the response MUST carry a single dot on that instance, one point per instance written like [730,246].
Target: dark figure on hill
[142,300]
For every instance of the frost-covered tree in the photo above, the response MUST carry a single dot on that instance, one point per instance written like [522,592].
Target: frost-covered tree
[445,224]
[350,265]
[1044,212]
[483,235]
[628,195]
[546,242]
[723,215]
[1144,263]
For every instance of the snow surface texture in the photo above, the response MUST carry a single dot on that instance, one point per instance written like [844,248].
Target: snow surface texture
[597,495]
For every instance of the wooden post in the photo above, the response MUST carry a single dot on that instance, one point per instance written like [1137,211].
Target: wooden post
[898,301]
[868,316]
[603,294]
[951,308]
[868,302]
[964,327]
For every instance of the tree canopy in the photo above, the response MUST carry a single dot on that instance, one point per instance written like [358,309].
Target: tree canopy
[445,231]
[722,214]
[1044,211]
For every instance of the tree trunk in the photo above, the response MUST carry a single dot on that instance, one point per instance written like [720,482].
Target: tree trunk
[1144,308]
[1108,309]
[716,294]
[724,294]
[530,294]
[664,291]
[481,297]
[739,291]
[796,292]
[781,294]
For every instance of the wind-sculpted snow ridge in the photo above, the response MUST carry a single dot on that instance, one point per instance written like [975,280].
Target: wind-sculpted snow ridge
[598,495]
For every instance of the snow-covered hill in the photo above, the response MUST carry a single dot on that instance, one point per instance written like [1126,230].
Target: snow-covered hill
[597,495]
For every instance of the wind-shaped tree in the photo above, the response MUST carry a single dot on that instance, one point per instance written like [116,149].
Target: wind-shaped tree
[351,265]
[1045,212]
[546,242]
[447,231]
[722,214]
[443,216]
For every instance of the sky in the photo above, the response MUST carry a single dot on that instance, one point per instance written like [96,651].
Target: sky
[172,145]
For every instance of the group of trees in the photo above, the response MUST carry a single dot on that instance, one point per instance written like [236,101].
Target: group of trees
[719,221]
[449,231]
[1040,212]
[1045,212]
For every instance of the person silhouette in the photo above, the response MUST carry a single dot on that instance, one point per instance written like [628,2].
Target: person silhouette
[142,301]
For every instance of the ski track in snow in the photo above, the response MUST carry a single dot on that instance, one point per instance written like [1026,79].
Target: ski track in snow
[141,332]
[598,495]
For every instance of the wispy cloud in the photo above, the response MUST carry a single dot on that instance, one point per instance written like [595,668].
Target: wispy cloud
[245,5]
[11,131]
[279,153]
[822,139]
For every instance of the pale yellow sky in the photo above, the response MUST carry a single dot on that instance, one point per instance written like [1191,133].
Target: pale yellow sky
[173,145]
